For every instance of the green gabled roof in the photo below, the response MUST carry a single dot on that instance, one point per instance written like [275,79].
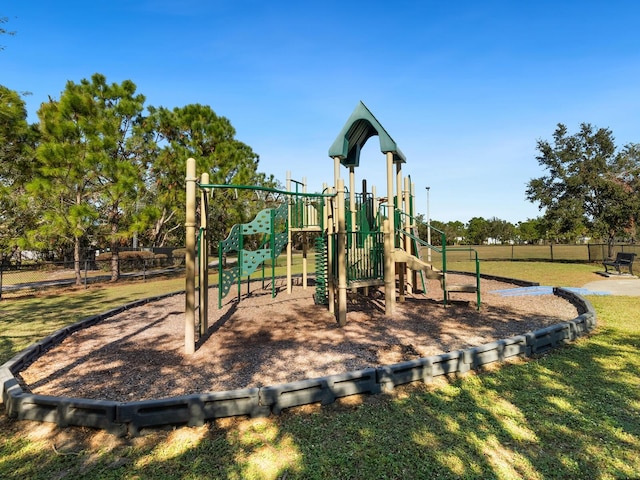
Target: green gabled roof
[360,127]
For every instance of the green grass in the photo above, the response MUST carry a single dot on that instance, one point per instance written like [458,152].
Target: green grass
[24,321]
[553,274]
[575,253]
[572,414]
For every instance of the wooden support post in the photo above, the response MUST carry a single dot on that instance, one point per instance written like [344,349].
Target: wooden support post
[330,223]
[406,194]
[341,253]
[402,267]
[389,232]
[306,218]
[389,270]
[190,259]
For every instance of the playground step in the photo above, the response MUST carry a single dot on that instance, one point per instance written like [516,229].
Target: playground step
[312,228]
[374,282]
[469,288]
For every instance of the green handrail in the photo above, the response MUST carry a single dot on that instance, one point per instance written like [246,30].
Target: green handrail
[477,262]
[265,189]
[443,251]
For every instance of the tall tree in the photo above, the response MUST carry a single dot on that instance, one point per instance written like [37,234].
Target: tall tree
[87,170]
[455,231]
[17,146]
[119,158]
[530,231]
[589,184]
[62,184]
[500,230]
[477,231]
[196,131]
[16,138]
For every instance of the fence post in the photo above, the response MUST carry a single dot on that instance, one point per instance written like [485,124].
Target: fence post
[86,272]
[0,280]
[144,269]
[551,248]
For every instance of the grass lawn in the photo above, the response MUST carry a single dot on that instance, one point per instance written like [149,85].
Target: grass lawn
[572,414]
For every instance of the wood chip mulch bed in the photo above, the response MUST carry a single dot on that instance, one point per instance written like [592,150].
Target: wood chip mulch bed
[262,341]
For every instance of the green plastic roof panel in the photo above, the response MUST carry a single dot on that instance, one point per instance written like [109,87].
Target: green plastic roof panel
[360,127]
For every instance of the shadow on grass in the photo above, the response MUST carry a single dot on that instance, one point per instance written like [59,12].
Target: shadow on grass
[568,415]
[572,414]
[24,322]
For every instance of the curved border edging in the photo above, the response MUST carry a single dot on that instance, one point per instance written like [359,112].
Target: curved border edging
[122,417]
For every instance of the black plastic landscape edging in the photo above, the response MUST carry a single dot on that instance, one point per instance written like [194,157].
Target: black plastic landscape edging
[121,418]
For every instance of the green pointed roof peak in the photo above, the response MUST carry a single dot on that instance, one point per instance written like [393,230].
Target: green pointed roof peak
[361,126]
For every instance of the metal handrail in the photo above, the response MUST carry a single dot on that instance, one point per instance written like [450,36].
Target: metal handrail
[443,251]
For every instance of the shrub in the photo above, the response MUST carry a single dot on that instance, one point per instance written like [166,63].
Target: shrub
[160,260]
[129,261]
[179,255]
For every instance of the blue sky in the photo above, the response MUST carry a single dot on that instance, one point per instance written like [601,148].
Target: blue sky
[465,88]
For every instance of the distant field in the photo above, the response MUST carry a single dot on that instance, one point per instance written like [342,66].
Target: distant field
[573,253]
[28,279]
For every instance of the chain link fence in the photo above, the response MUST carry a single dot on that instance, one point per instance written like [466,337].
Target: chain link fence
[584,253]
[20,276]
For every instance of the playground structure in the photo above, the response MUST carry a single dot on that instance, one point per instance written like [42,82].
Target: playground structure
[351,229]
[362,240]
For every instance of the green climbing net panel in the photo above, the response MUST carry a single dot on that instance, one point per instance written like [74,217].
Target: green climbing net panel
[272,222]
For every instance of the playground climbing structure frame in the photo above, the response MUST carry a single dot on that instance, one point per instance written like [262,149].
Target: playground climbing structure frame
[362,240]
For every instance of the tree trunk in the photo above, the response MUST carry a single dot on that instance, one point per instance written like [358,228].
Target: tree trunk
[610,241]
[76,247]
[76,260]
[159,232]
[115,263]
[115,254]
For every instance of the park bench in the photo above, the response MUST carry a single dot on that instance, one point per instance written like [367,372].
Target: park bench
[622,260]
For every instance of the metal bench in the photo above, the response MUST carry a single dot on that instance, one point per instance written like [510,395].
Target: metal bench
[622,260]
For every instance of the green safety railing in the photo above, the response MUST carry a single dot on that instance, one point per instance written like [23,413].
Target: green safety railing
[364,256]
[442,250]
[307,209]
[477,264]
[307,212]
